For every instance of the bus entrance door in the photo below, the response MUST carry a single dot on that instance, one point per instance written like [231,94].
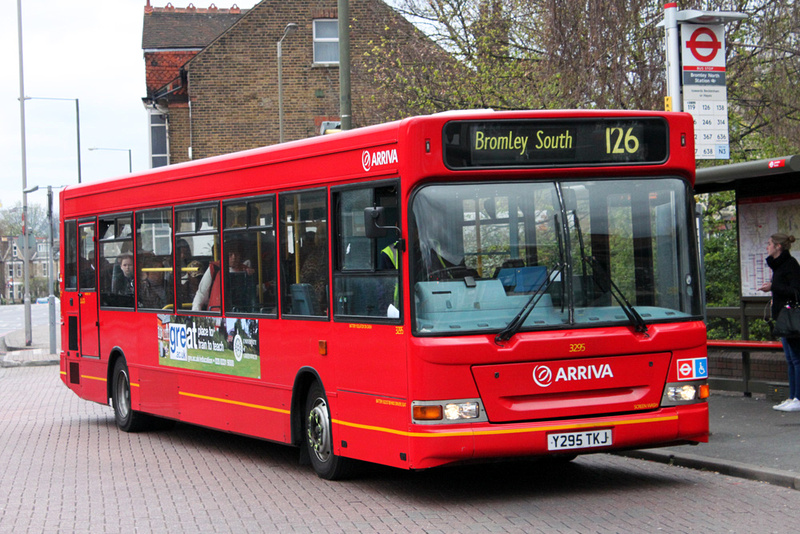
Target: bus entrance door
[87,291]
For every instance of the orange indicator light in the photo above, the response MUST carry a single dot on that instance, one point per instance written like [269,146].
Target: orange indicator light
[427,413]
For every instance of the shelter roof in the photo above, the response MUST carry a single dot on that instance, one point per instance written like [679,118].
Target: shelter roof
[765,175]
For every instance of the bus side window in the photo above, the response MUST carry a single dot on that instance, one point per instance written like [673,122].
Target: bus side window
[197,258]
[116,263]
[87,270]
[71,256]
[249,262]
[304,253]
[366,274]
[154,259]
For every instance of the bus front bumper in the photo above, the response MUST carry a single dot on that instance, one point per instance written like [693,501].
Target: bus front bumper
[433,445]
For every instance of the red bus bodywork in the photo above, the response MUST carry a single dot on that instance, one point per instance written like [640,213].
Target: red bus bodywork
[373,372]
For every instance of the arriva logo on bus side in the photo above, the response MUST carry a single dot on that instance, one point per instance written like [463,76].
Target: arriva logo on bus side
[543,375]
[378,158]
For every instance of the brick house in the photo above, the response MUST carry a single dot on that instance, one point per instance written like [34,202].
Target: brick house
[212,73]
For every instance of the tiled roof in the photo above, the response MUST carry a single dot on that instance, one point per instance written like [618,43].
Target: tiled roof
[163,67]
[190,27]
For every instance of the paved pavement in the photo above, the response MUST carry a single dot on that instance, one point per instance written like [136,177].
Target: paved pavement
[14,353]
[748,438]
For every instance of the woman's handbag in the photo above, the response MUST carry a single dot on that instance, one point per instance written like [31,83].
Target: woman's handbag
[788,323]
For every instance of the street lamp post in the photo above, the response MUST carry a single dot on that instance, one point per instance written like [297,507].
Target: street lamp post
[51,299]
[25,274]
[77,124]
[290,28]
[130,158]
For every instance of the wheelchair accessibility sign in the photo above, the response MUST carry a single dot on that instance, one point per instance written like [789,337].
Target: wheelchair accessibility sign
[693,369]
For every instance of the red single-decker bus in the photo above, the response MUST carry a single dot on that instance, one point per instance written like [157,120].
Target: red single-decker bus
[448,288]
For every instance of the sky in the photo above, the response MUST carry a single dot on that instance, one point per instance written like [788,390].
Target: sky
[89,51]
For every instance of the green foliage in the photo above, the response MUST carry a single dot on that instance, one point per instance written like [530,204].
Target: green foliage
[523,54]
[11,220]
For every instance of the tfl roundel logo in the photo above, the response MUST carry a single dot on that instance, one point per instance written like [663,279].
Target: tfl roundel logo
[542,375]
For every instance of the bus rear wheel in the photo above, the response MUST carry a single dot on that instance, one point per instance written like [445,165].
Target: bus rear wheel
[127,419]
[319,438]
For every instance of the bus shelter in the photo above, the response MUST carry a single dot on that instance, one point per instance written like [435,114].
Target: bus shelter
[767,201]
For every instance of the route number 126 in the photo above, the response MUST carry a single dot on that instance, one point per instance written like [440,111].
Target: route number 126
[619,141]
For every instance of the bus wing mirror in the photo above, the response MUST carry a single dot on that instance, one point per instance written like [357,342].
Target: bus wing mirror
[374,221]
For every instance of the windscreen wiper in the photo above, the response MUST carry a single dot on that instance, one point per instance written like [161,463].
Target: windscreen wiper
[516,323]
[633,316]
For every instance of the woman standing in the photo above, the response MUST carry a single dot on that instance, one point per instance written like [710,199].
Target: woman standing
[785,285]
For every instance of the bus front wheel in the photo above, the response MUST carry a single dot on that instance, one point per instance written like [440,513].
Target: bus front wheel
[127,419]
[319,439]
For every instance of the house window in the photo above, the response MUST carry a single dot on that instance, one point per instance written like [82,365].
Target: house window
[159,153]
[326,41]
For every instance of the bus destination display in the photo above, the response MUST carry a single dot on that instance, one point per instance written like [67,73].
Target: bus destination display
[470,144]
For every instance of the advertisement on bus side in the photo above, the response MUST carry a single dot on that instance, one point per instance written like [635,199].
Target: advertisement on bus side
[212,344]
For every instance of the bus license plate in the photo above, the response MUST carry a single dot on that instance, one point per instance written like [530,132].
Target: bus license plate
[579,440]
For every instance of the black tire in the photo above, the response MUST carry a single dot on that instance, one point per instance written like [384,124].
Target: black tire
[127,419]
[318,438]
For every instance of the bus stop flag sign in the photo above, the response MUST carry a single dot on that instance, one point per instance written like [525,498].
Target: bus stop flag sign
[705,93]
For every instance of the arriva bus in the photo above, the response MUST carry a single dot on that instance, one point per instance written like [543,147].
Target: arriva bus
[449,288]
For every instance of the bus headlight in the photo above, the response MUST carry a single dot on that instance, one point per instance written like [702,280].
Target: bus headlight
[464,410]
[685,393]
[682,393]
[447,412]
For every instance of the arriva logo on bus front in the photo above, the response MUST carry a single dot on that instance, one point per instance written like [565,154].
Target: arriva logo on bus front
[378,158]
[543,375]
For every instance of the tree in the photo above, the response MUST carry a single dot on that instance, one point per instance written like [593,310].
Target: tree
[11,220]
[515,54]
[546,54]
[763,68]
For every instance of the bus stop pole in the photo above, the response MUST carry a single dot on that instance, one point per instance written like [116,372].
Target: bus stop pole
[345,112]
[51,299]
[673,56]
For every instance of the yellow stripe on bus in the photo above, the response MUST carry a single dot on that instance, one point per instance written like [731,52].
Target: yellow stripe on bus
[88,377]
[237,403]
[447,434]
[464,433]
